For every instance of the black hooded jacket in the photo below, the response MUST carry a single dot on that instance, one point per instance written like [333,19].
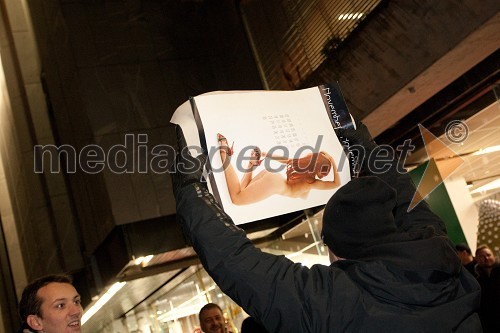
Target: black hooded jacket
[412,281]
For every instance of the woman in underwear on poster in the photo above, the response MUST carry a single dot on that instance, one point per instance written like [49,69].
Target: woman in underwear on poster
[302,175]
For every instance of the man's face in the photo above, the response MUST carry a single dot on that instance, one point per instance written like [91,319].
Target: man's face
[465,258]
[212,321]
[485,258]
[61,309]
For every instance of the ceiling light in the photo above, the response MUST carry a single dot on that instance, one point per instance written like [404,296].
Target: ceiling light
[147,259]
[489,186]
[186,308]
[300,251]
[103,300]
[487,150]
[143,260]
[350,16]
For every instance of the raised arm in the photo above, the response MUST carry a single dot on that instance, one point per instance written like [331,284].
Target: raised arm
[268,287]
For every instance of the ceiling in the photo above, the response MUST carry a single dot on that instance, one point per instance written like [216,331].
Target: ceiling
[482,130]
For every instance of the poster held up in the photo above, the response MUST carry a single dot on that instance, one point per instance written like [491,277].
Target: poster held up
[270,152]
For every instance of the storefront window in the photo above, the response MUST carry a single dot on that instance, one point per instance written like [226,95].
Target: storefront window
[176,311]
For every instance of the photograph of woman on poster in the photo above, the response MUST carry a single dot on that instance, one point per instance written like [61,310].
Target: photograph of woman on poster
[302,175]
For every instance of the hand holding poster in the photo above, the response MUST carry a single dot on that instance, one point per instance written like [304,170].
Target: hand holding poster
[270,152]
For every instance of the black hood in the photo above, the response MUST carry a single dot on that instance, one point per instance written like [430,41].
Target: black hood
[359,213]
[417,268]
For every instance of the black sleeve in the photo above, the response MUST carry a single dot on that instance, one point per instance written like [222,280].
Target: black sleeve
[283,295]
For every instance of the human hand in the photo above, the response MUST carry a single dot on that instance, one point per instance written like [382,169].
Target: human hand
[360,146]
[188,169]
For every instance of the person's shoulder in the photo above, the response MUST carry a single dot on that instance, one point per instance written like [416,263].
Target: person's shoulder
[336,271]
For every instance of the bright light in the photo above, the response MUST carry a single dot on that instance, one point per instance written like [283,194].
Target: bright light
[180,312]
[299,252]
[487,150]
[143,260]
[350,16]
[186,308]
[147,259]
[490,186]
[103,300]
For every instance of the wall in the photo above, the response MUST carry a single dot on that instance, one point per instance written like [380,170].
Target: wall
[36,220]
[452,202]
[408,51]
[465,208]
[118,69]
[32,230]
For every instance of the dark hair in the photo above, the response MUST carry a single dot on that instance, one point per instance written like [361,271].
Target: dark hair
[251,325]
[482,247]
[30,302]
[463,247]
[209,306]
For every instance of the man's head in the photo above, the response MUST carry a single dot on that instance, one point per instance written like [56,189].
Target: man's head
[212,319]
[485,257]
[464,253]
[52,305]
[357,214]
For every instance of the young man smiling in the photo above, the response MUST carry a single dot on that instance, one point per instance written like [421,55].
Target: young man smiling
[51,305]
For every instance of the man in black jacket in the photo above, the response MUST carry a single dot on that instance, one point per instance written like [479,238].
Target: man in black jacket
[401,272]
[212,319]
[488,268]
[465,254]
